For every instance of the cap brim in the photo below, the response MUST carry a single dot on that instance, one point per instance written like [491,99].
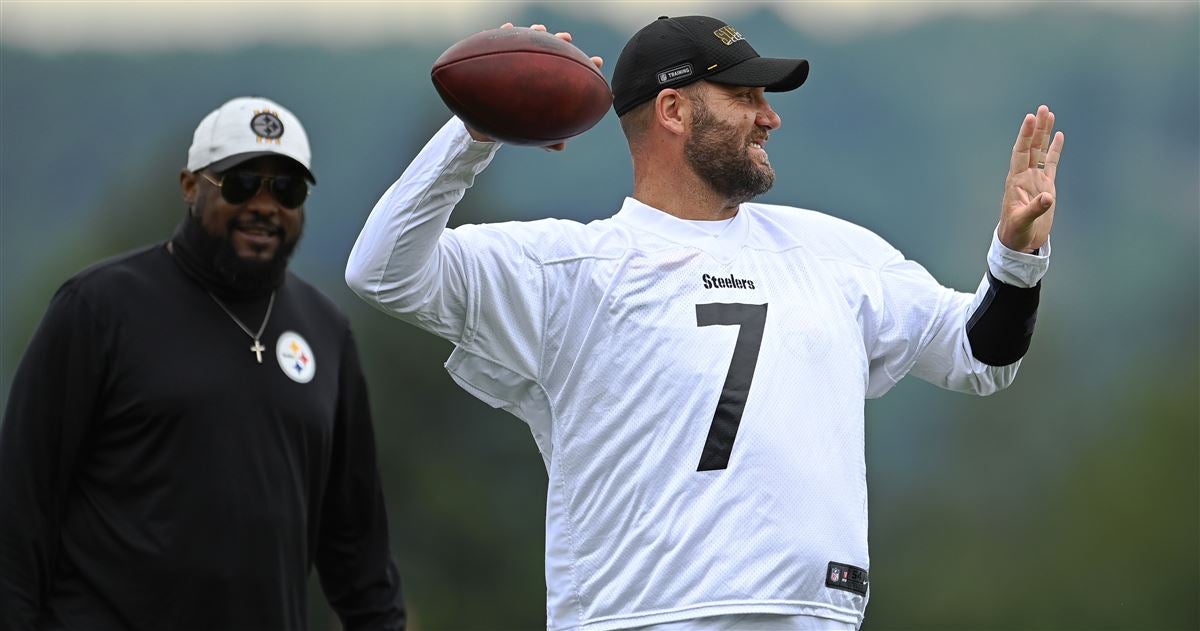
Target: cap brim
[224,164]
[774,75]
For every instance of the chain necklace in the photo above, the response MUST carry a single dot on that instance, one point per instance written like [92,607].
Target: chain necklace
[257,348]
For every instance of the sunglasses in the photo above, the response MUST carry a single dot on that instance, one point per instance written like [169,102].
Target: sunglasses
[239,187]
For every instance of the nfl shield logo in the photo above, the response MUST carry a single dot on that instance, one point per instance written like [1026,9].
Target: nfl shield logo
[836,574]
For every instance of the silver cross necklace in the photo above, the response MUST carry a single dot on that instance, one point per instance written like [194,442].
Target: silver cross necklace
[257,348]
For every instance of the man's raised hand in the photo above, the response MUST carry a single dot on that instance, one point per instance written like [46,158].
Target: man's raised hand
[1027,212]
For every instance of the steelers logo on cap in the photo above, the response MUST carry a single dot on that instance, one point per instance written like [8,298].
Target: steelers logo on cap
[266,125]
[295,357]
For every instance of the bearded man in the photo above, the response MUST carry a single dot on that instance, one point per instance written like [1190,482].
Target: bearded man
[694,368]
[188,433]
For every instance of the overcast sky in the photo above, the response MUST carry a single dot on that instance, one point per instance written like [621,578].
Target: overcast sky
[129,25]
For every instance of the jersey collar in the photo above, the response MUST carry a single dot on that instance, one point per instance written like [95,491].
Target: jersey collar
[724,246]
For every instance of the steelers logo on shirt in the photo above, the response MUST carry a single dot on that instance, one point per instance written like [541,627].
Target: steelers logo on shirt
[295,357]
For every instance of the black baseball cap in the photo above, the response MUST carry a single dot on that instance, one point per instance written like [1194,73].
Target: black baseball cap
[673,52]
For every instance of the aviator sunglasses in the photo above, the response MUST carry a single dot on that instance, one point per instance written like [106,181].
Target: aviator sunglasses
[238,187]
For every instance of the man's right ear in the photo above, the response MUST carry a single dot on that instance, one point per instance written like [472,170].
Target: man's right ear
[671,110]
[187,186]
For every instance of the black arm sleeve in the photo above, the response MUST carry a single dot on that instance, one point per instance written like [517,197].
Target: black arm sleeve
[355,565]
[1002,327]
[54,394]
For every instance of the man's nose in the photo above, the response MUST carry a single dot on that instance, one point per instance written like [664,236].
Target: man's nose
[263,202]
[767,117]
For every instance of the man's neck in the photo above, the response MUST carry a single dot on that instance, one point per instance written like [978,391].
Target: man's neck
[200,256]
[676,190]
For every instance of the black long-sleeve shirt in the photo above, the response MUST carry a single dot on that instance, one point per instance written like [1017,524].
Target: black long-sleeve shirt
[154,475]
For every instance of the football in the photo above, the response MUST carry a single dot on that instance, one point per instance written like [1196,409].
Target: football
[521,86]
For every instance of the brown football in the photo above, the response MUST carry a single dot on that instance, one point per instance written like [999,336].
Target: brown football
[521,86]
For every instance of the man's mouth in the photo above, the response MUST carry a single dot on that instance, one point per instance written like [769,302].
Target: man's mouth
[758,144]
[258,233]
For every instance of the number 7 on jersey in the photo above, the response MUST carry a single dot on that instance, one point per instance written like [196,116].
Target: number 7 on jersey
[751,320]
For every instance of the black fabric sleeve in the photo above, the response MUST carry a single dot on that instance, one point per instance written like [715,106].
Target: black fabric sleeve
[54,395]
[1001,328]
[353,558]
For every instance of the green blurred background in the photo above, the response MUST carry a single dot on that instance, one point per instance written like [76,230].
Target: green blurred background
[1069,501]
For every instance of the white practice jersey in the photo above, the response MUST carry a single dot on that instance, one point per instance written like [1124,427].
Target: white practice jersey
[697,398]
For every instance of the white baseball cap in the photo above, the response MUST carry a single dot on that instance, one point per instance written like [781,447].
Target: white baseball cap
[245,128]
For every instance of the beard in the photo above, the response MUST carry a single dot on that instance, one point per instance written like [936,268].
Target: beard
[217,262]
[720,155]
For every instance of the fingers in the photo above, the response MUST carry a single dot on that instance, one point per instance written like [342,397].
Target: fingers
[1054,154]
[566,37]
[1041,136]
[563,35]
[1031,150]
[1020,154]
